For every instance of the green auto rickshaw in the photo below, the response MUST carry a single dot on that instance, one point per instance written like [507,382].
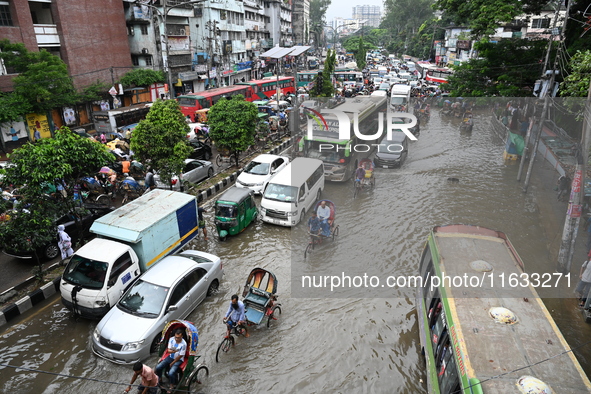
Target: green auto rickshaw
[234,210]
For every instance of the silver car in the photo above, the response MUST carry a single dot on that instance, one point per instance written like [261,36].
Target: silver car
[170,290]
[194,171]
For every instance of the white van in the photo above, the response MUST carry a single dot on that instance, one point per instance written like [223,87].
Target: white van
[292,192]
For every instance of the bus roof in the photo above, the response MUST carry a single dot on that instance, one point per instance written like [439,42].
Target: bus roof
[492,351]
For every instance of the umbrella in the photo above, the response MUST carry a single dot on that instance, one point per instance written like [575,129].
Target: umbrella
[447,101]
[106,170]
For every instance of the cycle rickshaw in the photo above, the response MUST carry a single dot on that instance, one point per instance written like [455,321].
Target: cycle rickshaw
[260,302]
[191,373]
[368,182]
[333,229]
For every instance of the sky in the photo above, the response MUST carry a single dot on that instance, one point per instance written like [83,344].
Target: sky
[344,8]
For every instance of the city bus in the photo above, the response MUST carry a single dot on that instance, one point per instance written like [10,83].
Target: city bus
[305,78]
[190,103]
[341,156]
[112,121]
[494,336]
[438,75]
[265,89]
[348,77]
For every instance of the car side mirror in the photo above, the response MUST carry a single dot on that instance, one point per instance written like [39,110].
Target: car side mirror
[172,308]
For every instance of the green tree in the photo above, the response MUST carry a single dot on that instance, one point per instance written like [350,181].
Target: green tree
[484,16]
[327,72]
[42,80]
[232,123]
[142,77]
[161,139]
[576,83]
[14,107]
[317,19]
[360,54]
[65,158]
[507,68]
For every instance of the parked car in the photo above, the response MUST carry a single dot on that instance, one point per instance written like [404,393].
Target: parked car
[51,250]
[194,171]
[200,150]
[170,290]
[258,172]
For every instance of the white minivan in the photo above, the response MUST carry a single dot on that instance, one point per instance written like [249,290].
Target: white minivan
[292,192]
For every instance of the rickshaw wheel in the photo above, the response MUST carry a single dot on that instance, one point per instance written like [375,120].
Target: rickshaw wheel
[199,376]
[308,250]
[218,160]
[335,232]
[276,309]
[224,347]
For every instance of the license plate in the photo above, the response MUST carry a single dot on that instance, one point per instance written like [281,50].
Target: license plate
[108,355]
[385,166]
[276,221]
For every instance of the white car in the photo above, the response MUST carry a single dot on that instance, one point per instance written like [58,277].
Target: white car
[257,173]
[170,290]
[195,171]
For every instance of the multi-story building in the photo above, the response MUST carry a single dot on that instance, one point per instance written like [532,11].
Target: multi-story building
[278,17]
[89,36]
[300,21]
[369,13]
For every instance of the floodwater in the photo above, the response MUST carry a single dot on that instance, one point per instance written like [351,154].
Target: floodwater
[359,340]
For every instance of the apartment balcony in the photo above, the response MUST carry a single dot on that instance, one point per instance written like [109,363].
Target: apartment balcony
[47,35]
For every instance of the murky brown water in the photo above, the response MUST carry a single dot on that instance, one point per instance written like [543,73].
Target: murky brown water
[364,343]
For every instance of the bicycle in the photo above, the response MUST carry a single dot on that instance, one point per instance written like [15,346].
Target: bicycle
[363,185]
[228,341]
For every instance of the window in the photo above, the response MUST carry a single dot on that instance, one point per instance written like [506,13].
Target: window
[122,264]
[149,61]
[179,292]
[5,18]
[135,60]
[130,30]
[144,29]
[540,23]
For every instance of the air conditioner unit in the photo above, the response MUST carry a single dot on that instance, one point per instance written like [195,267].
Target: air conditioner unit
[145,51]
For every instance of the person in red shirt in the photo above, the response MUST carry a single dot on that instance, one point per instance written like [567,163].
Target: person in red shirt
[149,383]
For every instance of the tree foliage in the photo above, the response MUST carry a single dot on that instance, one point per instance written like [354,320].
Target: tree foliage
[484,16]
[161,139]
[13,107]
[576,84]
[507,68]
[317,18]
[142,77]
[66,158]
[325,88]
[232,123]
[360,54]
[43,80]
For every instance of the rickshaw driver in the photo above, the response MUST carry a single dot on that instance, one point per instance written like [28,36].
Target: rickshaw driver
[360,174]
[236,315]
[314,225]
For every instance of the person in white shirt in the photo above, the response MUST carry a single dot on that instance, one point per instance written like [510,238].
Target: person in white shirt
[176,349]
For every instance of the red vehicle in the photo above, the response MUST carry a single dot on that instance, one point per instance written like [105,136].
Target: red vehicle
[438,75]
[265,89]
[190,103]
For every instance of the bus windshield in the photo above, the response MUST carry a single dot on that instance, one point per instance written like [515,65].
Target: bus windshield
[398,100]
[187,101]
[320,150]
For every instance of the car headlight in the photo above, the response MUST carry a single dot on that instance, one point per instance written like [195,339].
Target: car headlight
[259,184]
[294,213]
[96,334]
[101,302]
[132,345]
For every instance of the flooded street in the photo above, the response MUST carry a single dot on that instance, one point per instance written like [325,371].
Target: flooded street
[360,340]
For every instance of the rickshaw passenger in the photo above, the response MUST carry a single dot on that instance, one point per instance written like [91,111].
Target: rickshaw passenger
[176,349]
[323,213]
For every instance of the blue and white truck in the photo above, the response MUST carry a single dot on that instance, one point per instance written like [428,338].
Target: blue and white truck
[129,241]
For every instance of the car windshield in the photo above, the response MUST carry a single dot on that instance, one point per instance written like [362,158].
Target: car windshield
[144,299]
[90,274]
[225,211]
[281,192]
[256,168]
